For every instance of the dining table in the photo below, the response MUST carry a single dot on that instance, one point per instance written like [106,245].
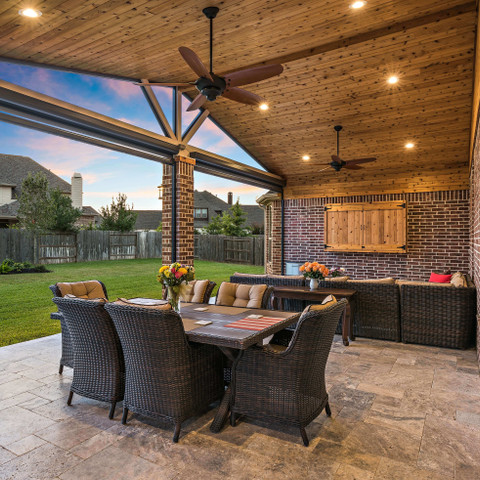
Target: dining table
[232,330]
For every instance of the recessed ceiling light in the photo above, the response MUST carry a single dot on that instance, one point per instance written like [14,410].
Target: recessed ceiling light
[358,4]
[392,80]
[409,145]
[30,12]
[263,106]
[306,158]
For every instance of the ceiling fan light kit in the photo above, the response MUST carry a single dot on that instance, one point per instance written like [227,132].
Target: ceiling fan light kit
[211,86]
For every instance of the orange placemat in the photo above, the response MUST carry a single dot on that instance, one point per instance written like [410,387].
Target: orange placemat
[255,323]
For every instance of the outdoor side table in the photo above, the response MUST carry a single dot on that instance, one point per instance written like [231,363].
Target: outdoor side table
[319,294]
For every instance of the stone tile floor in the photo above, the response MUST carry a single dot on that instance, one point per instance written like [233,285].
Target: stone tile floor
[399,412]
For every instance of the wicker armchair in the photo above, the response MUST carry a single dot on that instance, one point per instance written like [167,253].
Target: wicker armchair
[286,385]
[244,295]
[99,370]
[66,359]
[206,295]
[165,375]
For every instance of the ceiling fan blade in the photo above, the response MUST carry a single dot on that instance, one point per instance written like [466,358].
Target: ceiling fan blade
[352,167]
[360,160]
[326,168]
[197,102]
[242,96]
[164,84]
[252,75]
[194,62]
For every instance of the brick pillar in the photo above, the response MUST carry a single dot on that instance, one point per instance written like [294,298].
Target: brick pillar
[184,211]
[273,238]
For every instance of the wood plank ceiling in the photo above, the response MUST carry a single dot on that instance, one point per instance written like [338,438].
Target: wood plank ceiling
[336,60]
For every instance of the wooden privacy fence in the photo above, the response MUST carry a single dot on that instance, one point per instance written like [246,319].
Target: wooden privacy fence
[91,245]
[220,248]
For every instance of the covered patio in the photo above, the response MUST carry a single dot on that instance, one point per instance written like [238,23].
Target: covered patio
[366,142]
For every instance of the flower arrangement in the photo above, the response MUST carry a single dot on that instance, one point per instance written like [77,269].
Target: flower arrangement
[337,272]
[174,277]
[314,270]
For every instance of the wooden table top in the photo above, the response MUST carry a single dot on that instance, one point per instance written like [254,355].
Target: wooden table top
[218,334]
[341,292]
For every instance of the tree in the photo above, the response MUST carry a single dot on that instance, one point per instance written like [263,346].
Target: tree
[64,214]
[35,209]
[42,209]
[234,222]
[215,226]
[229,223]
[118,216]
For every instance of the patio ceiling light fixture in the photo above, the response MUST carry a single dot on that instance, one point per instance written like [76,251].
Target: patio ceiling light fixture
[306,158]
[409,145]
[30,12]
[392,80]
[357,5]
[263,106]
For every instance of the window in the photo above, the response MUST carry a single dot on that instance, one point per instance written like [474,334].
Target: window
[200,213]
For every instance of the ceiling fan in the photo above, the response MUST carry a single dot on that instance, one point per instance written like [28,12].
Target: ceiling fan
[337,163]
[212,86]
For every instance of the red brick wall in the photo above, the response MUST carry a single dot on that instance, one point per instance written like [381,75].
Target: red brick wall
[475,228]
[437,233]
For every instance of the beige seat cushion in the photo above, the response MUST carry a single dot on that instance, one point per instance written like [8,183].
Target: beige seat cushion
[327,302]
[337,279]
[458,280]
[285,277]
[88,290]
[240,295]
[423,284]
[251,275]
[124,301]
[99,299]
[388,280]
[194,292]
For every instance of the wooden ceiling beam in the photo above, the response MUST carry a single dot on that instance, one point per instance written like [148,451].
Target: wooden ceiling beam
[370,35]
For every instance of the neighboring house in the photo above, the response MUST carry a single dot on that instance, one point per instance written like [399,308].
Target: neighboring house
[13,170]
[206,206]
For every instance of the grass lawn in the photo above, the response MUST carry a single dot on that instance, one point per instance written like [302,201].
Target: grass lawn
[26,301]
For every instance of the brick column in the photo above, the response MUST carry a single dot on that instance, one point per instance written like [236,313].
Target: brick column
[184,211]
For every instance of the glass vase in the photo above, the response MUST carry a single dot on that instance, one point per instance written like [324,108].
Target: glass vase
[173,298]
[313,283]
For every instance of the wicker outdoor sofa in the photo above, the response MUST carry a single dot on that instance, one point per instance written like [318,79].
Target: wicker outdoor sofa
[412,312]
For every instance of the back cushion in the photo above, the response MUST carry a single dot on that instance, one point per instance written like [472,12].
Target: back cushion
[327,302]
[194,292]
[89,290]
[124,301]
[240,295]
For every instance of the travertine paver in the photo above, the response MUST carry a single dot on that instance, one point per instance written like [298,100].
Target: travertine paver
[398,412]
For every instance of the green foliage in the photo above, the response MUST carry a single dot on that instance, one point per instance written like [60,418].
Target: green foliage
[9,266]
[231,223]
[159,228]
[118,216]
[257,229]
[34,211]
[42,209]
[215,227]
[64,214]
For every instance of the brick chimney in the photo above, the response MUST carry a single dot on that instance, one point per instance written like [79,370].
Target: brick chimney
[77,190]
[230,198]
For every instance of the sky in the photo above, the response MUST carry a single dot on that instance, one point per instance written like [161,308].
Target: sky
[106,173]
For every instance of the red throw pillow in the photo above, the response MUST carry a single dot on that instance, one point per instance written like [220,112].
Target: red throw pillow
[438,278]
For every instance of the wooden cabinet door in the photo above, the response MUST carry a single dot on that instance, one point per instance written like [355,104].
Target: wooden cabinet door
[343,228]
[366,227]
[384,227]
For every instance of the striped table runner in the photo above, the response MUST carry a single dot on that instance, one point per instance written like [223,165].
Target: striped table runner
[255,323]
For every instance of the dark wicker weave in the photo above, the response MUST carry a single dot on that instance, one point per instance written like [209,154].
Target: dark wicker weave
[66,359]
[276,281]
[99,370]
[288,388]
[165,375]
[440,316]
[377,309]
[206,296]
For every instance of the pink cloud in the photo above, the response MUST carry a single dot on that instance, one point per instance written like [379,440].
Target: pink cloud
[123,89]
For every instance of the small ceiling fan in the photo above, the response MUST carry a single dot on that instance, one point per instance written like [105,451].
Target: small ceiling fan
[337,163]
[212,86]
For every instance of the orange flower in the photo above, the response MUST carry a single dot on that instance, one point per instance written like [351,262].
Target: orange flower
[308,269]
[302,268]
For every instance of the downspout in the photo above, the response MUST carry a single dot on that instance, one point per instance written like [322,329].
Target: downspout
[282,256]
